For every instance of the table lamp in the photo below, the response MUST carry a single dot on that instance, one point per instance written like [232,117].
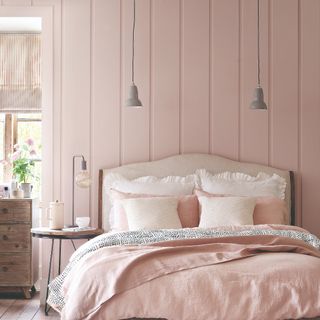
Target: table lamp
[82,179]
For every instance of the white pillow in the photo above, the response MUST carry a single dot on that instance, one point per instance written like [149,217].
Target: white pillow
[240,184]
[171,185]
[226,211]
[152,213]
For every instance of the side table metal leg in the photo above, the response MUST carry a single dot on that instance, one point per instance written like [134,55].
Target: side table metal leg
[46,307]
[74,247]
[59,270]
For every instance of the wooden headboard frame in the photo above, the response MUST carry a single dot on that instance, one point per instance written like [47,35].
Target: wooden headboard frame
[292,198]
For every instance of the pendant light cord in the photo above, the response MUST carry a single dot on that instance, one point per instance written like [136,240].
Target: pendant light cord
[133,32]
[258,41]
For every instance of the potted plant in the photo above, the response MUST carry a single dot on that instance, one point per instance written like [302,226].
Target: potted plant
[23,165]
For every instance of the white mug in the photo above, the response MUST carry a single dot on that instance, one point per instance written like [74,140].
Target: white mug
[55,215]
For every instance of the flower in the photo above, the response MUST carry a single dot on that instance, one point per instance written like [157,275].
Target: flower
[16,155]
[23,162]
[30,142]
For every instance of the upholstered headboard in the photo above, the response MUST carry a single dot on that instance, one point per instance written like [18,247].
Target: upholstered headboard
[182,165]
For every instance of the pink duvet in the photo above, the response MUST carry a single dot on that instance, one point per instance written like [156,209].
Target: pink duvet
[257,277]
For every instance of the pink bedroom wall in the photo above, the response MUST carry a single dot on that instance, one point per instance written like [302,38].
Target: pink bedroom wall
[195,69]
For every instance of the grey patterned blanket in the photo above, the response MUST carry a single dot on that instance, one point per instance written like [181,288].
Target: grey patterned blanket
[56,298]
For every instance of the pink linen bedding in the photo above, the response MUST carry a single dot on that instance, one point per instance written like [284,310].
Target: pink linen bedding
[251,272]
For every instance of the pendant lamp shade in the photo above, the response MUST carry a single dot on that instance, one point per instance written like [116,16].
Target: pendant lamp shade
[258,97]
[133,100]
[258,100]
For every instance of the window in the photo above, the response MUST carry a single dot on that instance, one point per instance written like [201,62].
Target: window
[16,129]
[20,101]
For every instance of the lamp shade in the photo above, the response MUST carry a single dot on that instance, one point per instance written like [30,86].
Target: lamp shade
[133,100]
[83,179]
[258,100]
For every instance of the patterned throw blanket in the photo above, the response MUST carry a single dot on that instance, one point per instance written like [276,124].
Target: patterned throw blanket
[56,298]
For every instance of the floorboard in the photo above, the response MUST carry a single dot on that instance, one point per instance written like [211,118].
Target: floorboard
[25,309]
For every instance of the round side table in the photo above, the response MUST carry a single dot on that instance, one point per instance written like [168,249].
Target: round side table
[61,235]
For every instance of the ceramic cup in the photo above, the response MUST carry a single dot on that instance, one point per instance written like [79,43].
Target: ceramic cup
[17,194]
[83,222]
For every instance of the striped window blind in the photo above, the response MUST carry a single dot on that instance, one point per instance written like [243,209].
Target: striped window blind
[20,72]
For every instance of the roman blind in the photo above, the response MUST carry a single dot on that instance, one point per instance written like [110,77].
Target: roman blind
[20,72]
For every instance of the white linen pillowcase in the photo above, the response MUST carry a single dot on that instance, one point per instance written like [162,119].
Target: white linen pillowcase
[170,185]
[240,184]
[226,211]
[152,213]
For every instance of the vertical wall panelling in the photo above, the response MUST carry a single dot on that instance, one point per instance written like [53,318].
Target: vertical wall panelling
[195,81]
[76,98]
[54,129]
[225,78]
[310,114]
[253,123]
[17,2]
[165,78]
[56,112]
[285,88]
[195,64]
[285,84]
[106,91]
[135,122]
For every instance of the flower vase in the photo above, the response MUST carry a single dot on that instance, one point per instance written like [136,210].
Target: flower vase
[27,189]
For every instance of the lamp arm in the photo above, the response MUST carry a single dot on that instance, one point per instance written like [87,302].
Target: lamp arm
[84,166]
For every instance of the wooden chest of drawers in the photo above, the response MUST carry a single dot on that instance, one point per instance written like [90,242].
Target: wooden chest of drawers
[18,251]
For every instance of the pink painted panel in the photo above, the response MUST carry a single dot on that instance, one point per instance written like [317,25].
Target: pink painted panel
[284,116]
[135,130]
[195,68]
[16,2]
[253,123]
[105,128]
[75,99]
[310,114]
[165,74]
[225,78]
[56,112]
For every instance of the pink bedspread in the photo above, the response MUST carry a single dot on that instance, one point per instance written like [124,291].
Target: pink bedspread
[261,277]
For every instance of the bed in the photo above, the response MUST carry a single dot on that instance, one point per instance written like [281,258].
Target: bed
[262,271]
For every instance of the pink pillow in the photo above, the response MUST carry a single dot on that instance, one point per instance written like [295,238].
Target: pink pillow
[268,210]
[188,210]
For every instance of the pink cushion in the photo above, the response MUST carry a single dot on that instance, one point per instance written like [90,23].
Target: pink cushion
[268,210]
[188,210]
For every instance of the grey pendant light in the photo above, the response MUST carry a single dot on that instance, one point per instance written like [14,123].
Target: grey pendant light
[133,100]
[258,98]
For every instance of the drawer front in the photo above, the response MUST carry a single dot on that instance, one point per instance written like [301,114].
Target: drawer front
[15,270]
[15,211]
[15,238]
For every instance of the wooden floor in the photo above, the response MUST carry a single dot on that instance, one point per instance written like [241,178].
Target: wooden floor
[24,309]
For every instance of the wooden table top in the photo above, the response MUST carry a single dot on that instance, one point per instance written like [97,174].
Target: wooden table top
[77,233]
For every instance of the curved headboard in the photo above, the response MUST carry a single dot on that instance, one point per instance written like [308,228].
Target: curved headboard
[181,165]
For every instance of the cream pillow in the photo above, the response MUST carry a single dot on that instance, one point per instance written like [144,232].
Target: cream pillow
[226,211]
[152,213]
[240,184]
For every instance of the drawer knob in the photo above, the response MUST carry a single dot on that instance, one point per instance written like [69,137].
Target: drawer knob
[4,210]
[5,237]
[5,269]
